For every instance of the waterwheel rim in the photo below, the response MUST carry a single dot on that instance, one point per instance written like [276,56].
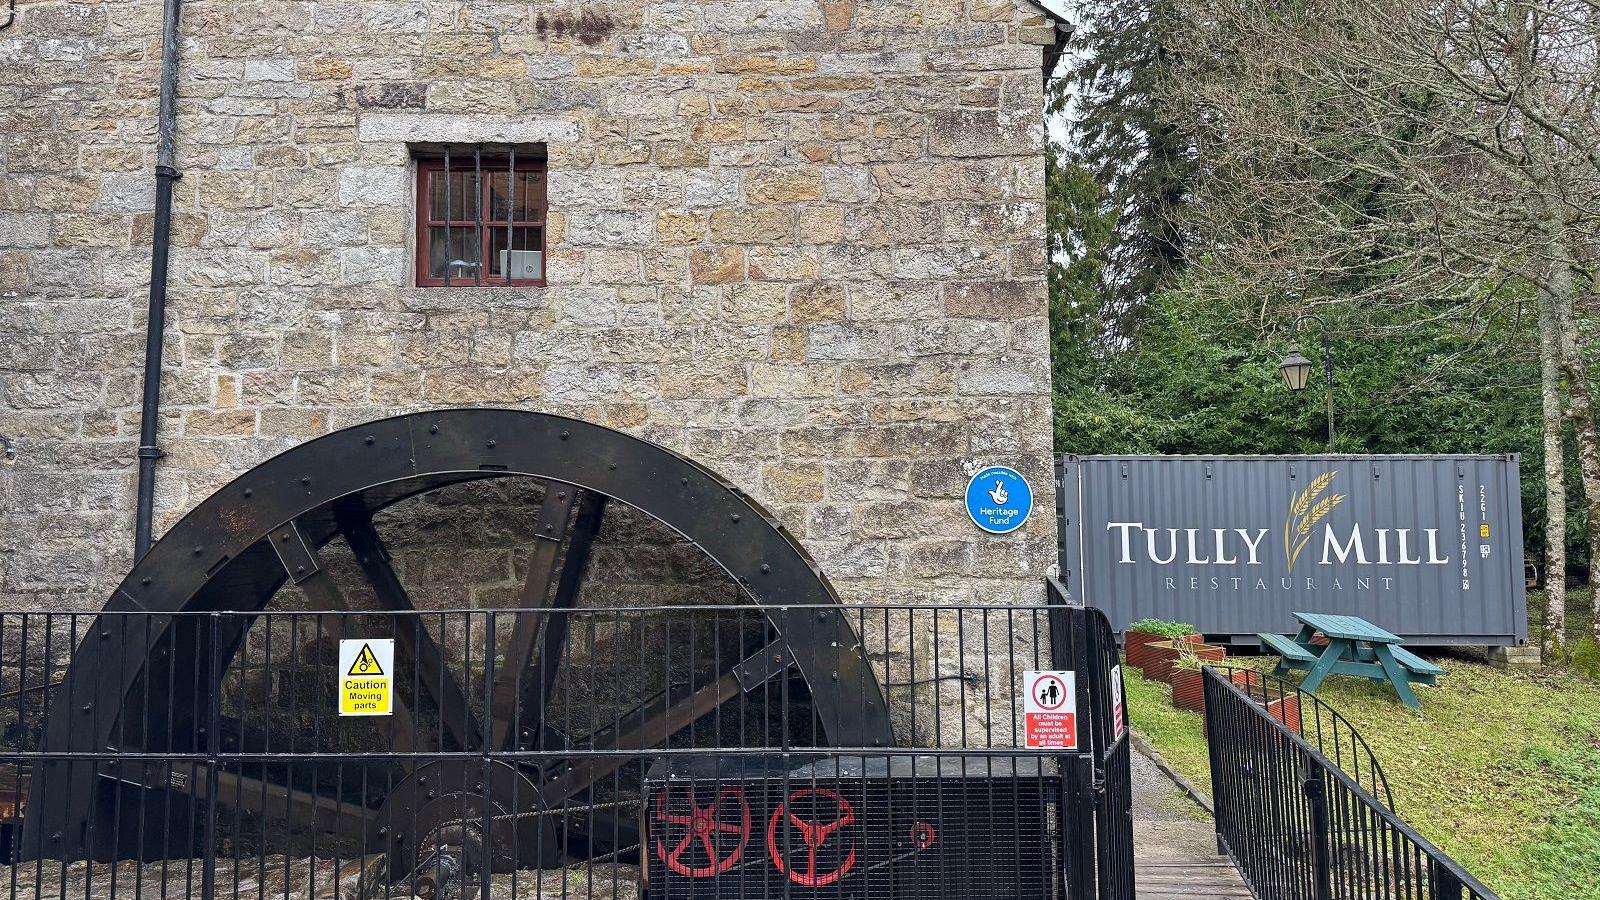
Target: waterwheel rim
[265,529]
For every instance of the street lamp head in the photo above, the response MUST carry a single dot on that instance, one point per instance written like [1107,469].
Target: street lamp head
[1296,370]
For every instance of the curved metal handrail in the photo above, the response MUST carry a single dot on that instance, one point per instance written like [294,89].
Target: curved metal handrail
[1332,735]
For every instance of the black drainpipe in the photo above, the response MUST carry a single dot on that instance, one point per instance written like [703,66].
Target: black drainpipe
[156,318]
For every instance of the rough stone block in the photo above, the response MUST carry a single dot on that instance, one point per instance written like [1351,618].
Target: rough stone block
[817,302]
[1523,657]
[720,266]
[127,193]
[711,188]
[391,95]
[682,155]
[680,228]
[25,231]
[783,186]
[1004,377]
[753,225]
[846,341]
[609,228]
[994,299]
[274,69]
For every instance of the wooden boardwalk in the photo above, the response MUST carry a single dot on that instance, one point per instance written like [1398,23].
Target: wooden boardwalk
[1174,843]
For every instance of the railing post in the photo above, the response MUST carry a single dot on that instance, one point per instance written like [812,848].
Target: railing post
[487,773]
[1060,643]
[1321,860]
[1446,886]
[1078,826]
[1221,800]
[208,866]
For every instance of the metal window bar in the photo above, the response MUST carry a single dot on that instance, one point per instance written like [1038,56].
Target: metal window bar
[1294,821]
[477,191]
[449,213]
[482,258]
[511,213]
[202,754]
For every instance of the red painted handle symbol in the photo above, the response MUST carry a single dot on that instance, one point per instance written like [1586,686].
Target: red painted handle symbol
[703,824]
[814,834]
[923,835]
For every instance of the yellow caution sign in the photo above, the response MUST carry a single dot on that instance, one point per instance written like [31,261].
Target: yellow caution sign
[366,662]
[366,682]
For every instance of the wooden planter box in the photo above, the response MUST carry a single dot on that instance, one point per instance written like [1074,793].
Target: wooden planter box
[1136,644]
[1164,653]
[1158,657]
[1188,689]
[1286,709]
[1189,685]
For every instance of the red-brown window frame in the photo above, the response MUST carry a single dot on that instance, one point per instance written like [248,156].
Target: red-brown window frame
[466,162]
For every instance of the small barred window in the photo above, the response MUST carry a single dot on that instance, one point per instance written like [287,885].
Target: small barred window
[480,217]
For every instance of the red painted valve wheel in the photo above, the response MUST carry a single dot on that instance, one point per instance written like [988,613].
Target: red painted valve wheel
[702,827]
[815,835]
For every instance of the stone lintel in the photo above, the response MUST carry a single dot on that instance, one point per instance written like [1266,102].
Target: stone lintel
[456,128]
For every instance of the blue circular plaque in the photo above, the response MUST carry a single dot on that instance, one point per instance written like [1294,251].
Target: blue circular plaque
[999,499]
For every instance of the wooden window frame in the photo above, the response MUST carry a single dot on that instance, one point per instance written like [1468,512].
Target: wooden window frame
[467,162]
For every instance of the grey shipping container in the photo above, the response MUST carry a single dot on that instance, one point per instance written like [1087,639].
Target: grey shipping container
[1429,547]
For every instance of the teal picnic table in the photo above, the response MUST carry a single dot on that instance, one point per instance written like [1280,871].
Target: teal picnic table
[1355,647]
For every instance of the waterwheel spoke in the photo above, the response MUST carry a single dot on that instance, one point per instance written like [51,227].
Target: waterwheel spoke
[261,797]
[657,719]
[436,677]
[527,674]
[305,568]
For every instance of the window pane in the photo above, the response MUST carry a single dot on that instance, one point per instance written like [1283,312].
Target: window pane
[526,257]
[463,195]
[528,199]
[460,257]
[499,199]
[530,196]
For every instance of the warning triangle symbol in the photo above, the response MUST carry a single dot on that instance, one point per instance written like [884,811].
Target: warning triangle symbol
[366,663]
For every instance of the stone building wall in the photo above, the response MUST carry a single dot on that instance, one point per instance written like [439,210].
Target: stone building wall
[799,240]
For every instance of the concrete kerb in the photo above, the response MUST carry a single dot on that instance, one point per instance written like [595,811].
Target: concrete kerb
[1188,787]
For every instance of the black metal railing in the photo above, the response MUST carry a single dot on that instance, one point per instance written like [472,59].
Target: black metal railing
[1322,726]
[1101,775]
[1296,823]
[663,752]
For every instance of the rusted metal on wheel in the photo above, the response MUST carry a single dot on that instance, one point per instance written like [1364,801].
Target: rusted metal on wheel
[234,551]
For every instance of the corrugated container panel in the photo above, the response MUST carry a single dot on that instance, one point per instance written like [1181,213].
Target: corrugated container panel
[1429,547]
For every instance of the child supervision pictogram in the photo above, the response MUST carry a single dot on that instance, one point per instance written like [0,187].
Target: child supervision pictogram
[1050,710]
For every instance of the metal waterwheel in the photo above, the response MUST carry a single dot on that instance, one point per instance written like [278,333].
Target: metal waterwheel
[154,713]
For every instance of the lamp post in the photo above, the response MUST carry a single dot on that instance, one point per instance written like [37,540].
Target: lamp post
[1296,369]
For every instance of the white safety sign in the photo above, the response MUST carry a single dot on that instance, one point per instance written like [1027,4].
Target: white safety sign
[1050,710]
[1119,718]
[366,677]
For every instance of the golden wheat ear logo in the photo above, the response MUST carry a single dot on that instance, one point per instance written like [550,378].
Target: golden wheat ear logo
[1307,509]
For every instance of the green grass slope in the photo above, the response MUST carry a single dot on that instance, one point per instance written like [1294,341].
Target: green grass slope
[1500,769]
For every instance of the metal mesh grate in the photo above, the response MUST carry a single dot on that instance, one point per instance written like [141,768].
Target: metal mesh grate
[862,827]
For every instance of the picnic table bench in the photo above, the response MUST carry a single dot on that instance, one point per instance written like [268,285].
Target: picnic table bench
[1355,647]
